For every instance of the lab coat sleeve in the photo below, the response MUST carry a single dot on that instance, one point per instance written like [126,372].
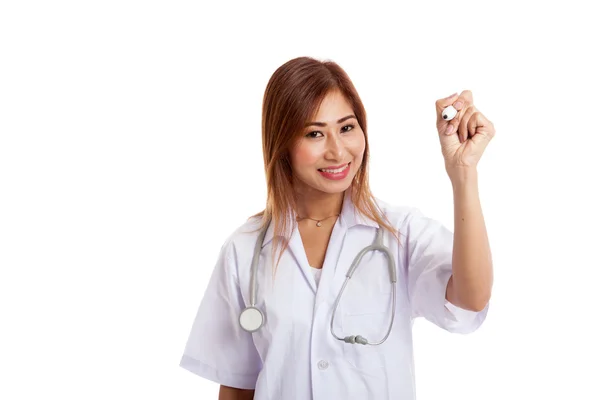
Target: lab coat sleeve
[218,349]
[429,246]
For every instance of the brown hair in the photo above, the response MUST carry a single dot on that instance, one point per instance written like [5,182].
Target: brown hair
[293,95]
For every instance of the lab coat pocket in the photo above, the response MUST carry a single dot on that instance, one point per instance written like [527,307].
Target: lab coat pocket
[368,316]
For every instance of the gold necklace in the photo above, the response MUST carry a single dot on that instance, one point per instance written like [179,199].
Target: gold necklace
[318,220]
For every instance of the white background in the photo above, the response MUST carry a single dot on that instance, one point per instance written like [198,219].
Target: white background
[130,149]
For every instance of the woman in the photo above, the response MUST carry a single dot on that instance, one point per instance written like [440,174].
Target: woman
[320,213]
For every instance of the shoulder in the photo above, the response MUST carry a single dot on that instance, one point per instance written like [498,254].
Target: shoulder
[416,226]
[241,240]
[411,221]
[399,215]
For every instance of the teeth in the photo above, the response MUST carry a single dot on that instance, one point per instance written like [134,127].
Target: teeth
[335,171]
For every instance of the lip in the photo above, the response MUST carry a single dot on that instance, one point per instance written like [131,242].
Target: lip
[336,176]
[335,166]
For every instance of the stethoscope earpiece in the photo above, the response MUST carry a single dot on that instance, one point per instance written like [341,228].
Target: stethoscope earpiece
[356,340]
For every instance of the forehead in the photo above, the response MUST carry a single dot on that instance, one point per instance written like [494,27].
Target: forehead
[333,107]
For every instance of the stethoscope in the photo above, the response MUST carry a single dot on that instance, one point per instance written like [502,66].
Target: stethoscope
[252,319]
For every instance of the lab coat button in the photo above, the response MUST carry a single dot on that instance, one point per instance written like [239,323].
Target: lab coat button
[323,364]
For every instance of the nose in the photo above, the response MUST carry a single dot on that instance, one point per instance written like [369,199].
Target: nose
[335,148]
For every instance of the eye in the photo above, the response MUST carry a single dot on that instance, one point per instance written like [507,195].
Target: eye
[347,126]
[313,134]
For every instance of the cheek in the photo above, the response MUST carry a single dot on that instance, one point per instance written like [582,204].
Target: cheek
[304,156]
[357,147]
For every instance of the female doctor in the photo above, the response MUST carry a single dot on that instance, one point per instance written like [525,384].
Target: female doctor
[314,297]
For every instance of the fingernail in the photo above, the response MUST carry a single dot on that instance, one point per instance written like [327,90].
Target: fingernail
[458,104]
[449,129]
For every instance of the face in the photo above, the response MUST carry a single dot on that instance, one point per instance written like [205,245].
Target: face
[328,155]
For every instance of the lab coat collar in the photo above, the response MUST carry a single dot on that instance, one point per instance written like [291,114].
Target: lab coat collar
[271,230]
[352,216]
[349,216]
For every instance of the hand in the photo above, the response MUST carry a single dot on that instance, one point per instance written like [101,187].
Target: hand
[469,133]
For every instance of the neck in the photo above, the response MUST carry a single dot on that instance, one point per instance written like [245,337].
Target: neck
[319,205]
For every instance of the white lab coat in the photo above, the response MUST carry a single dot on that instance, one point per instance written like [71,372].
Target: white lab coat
[294,356]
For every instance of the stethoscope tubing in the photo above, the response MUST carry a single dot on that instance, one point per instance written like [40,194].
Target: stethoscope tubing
[354,339]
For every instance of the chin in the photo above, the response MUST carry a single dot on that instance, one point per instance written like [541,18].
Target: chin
[332,191]
[335,187]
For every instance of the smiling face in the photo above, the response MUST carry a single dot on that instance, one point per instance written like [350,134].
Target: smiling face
[330,151]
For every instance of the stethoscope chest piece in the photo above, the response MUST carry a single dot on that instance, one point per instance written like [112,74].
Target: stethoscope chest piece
[251,319]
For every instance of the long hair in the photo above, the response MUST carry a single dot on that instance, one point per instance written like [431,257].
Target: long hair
[293,95]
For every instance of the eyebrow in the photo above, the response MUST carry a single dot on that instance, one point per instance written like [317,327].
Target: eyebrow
[324,124]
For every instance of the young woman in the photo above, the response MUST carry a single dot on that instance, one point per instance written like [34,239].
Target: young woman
[280,319]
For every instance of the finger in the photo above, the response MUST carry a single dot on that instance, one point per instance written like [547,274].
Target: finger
[463,133]
[474,122]
[479,120]
[465,99]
